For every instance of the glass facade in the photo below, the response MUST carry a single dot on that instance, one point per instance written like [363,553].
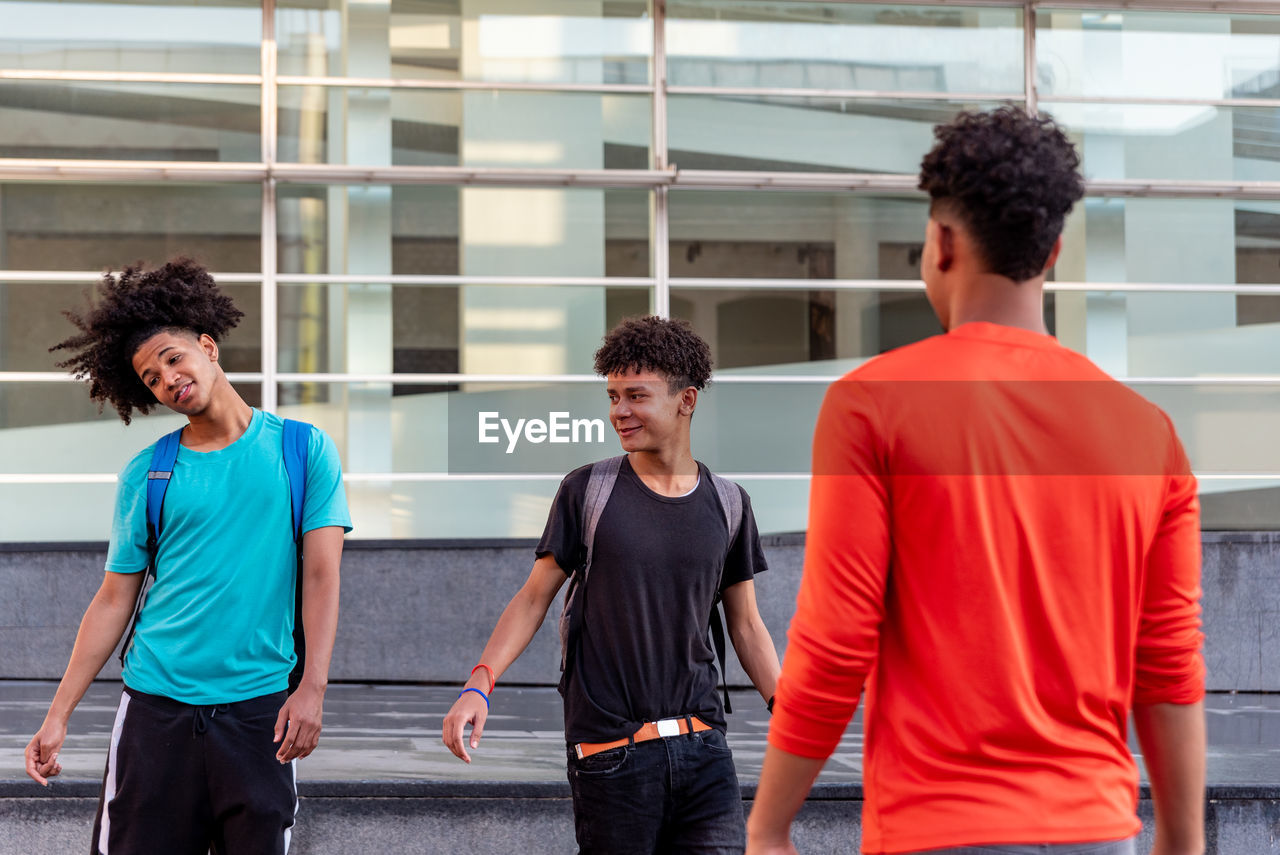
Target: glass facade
[430,211]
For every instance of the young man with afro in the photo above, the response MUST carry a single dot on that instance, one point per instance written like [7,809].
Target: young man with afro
[1004,544]
[205,738]
[648,764]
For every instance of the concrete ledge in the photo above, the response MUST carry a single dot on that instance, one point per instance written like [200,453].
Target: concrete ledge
[420,611]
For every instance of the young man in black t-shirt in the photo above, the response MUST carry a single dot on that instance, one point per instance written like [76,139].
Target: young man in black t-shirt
[648,763]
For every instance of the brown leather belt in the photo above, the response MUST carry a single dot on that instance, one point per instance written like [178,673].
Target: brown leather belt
[648,730]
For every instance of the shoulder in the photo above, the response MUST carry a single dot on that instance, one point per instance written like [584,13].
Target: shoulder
[135,471]
[901,361]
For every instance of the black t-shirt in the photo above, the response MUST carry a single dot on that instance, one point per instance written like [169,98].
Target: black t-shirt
[644,652]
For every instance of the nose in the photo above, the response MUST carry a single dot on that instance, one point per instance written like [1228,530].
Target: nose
[169,376]
[620,410]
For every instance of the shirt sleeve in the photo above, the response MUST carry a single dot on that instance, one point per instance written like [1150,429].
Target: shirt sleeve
[1170,665]
[746,555]
[325,503]
[127,551]
[834,635]
[562,536]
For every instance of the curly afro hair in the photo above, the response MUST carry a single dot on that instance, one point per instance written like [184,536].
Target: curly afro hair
[133,306]
[1011,179]
[669,347]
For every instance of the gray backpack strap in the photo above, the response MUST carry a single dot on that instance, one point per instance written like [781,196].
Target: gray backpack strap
[604,474]
[731,503]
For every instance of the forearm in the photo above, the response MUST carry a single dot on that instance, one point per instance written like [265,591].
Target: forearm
[514,631]
[758,656]
[320,591]
[100,630]
[785,781]
[1173,743]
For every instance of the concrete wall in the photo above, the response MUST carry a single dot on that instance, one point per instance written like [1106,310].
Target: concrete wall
[421,611]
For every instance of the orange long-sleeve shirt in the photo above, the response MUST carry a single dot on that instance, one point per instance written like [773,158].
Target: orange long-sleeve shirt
[1004,546]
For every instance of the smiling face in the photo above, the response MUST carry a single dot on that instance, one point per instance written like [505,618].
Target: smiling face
[181,370]
[646,415]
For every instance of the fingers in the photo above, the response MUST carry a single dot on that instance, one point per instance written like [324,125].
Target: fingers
[300,739]
[41,760]
[464,713]
[282,721]
[454,722]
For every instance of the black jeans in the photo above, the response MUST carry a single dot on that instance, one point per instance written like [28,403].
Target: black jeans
[679,795]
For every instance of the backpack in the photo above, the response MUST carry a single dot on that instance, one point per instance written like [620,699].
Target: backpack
[297,435]
[604,474]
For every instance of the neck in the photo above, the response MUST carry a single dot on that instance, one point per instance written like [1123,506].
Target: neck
[997,300]
[671,472]
[221,423]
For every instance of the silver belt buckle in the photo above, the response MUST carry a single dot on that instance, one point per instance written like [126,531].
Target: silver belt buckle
[669,727]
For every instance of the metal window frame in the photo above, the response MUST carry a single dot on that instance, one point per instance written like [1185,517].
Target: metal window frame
[660,180]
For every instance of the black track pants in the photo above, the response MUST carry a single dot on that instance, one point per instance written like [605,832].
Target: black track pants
[182,780]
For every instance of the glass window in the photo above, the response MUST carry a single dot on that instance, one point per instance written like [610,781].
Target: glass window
[72,226]
[416,127]
[217,37]
[83,510]
[1192,143]
[785,235]
[772,133]
[1173,334]
[484,231]
[438,329]
[844,46]
[566,42]
[1126,54]
[60,415]
[31,322]
[130,121]
[1176,241]
[803,332]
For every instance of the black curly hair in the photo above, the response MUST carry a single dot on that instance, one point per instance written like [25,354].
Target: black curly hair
[1011,178]
[651,343]
[180,297]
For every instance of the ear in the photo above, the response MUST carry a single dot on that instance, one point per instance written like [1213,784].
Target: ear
[209,346]
[1053,256]
[688,401]
[946,244]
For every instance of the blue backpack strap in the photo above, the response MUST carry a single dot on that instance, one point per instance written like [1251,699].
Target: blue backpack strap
[162,460]
[297,437]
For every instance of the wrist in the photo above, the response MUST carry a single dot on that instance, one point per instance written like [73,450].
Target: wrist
[315,684]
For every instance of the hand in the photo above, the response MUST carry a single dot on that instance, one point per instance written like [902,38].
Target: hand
[301,715]
[42,752]
[468,709]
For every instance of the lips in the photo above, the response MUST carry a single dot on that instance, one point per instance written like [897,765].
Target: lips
[628,431]
[183,393]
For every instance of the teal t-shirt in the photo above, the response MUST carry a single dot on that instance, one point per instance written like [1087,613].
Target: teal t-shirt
[218,622]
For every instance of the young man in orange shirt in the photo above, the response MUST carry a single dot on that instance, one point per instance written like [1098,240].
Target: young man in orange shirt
[1004,546]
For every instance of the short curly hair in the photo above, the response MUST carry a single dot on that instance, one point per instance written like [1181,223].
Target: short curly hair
[649,343]
[133,306]
[1011,178]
